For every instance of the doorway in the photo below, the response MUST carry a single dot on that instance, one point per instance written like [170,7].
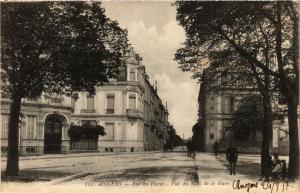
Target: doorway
[53,134]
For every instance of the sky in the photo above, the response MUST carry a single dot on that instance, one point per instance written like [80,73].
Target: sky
[155,35]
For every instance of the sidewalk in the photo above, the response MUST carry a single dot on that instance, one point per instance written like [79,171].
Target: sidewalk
[213,168]
[54,156]
[247,164]
[87,154]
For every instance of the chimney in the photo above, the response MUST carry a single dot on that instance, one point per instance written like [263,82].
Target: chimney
[156,86]
[166,104]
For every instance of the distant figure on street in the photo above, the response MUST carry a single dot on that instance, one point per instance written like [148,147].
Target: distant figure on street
[190,148]
[231,156]
[216,148]
[168,146]
[193,148]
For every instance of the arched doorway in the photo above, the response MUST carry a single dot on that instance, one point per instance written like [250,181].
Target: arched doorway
[53,134]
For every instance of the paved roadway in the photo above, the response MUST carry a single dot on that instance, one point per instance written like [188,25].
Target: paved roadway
[130,167]
[113,170]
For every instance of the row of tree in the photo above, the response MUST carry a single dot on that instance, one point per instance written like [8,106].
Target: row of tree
[55,48]
[173,139]
[253,39]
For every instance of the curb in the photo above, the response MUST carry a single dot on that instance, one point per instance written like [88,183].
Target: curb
[66,156]
[80,155]
[69,178]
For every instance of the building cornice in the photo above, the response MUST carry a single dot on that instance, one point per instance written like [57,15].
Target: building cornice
[39,104]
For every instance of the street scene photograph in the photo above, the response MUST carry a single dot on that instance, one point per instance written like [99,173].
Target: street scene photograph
[149,96]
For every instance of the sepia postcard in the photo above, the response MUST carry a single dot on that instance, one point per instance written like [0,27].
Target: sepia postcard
[149,96]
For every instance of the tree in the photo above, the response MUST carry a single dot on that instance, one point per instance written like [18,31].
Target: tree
[265,34]
[198,135]
[55,48]
[86,131]
[227,71]
[248,118]
[173,139]
[248,78]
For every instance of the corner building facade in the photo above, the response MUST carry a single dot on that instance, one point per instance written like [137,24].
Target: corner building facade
[216,109]
[128,107]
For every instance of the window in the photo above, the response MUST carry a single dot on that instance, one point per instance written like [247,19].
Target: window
[31,126]
[90,102]
[231,104]
[109,130]
[72,102]
[132,74]
[110,104]
[223,104]
[132,101]
[30,150]
[140,132]
[4,130]
[152,108]
[4,150]
[226,105]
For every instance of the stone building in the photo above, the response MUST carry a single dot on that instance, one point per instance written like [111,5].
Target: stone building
[156,118]
[129,109]
[218,100]
[44,123]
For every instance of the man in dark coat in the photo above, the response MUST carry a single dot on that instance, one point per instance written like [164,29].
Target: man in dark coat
[188,146]
[232,156]
[216,148]
[267,171]
[193,148]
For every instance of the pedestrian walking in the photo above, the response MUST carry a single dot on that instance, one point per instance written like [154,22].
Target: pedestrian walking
[216,148]
[188,145]
[193,148]
[232,156]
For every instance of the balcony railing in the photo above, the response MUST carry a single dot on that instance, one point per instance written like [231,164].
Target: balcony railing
[134,113]
[110,111]
[56,100]
[88,110]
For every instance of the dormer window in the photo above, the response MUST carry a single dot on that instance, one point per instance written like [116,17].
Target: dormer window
[132,74]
